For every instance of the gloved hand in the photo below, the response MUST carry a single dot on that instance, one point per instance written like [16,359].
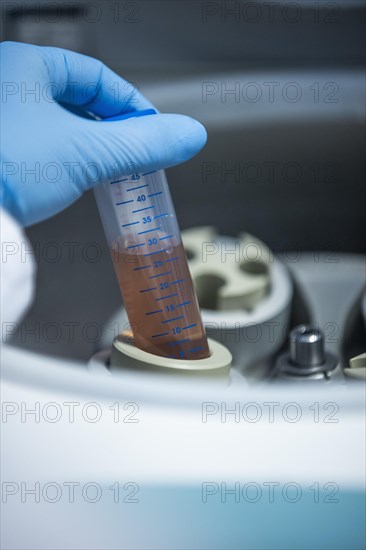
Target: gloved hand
[50,155]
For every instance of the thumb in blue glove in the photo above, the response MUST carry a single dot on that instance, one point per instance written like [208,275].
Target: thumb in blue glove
[50,156]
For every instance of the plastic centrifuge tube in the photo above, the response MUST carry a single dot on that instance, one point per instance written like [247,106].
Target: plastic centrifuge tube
[150,263]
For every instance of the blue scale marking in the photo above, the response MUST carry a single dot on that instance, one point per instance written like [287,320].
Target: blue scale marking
[148,289]
[118,181]
[153,312]
[160,275]
[157,252]
[147,173]
[172,259]
[164,297]
[148,230]
[143,267]
[189,326]
[158,335]
[160,215]
[127,224]
[177,282]
[124,202]
[178,342]
[141,209]
[139,187]
[166,237]
[136,245]
[194,349]
[155,194]
[171,320]
[182,304]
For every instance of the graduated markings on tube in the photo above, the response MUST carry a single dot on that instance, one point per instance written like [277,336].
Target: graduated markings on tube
[128,224]
[148,230]
[148,289]
[139,187]
[158,263]
[166,302]
[141,209]
[124,202]
[165,297]
[171,320]
[153,312]
[157,252]
[189,326]
[178,342]
[126,179]
[136,245]
[159,275]
[118,181]
[143,267]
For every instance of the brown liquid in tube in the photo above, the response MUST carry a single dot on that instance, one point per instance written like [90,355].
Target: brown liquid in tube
[161,304]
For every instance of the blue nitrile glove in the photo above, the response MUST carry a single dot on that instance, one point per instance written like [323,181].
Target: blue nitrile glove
[50,155]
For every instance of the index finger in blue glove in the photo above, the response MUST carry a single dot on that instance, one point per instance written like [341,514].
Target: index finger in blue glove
[75,79]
